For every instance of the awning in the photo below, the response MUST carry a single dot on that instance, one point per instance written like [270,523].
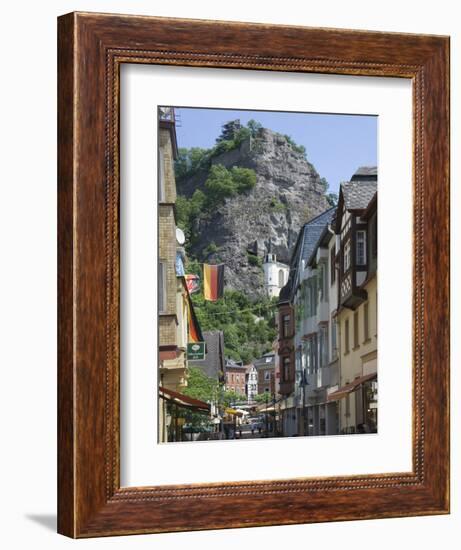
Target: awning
[235,412]
[348,388]
[183,400]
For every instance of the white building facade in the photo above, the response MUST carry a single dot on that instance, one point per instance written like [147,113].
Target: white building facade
[275,275]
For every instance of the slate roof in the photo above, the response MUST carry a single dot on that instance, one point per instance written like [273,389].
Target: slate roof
[358,194]
[262,361]
[213,365]
[312,230]
[365,172]
[307,240]
[231,364]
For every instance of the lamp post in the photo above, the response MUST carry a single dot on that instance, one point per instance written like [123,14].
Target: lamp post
[304,383]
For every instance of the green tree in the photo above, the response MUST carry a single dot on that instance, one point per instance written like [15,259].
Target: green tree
[332,199]
[219,185]
[265,397]
[243,178]
[254,127]
[298,148]
[248,327]
[241,135]
[200,386]
[231,397]
[228,130]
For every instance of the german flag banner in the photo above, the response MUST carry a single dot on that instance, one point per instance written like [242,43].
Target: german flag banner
[213,282]
[195,332]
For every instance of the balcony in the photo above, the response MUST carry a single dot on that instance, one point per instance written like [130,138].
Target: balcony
[323,312]
[286,388]
[328,376]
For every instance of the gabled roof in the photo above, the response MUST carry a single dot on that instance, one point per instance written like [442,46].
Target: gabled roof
[312,230]
[358,194]
[365,172]
[305,245]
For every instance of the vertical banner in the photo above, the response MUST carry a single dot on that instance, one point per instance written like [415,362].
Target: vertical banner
[195,332]
[213,282]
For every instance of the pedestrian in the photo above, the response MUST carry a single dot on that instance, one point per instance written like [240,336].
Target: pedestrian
[252,429]
[259,430]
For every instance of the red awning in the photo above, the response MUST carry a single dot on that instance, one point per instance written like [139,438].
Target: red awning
[183,400]
[348,388]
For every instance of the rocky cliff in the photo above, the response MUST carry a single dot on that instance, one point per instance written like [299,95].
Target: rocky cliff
[288,192]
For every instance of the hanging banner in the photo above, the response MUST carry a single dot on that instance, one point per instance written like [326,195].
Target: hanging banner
[192,282]
[213,282]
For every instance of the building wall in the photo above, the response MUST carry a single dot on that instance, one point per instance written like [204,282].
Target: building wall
[167,240]
[275,275]
[252,383]
[235,380]
[361,359]
[266,378]
[285,349]
[167,168]
[173,319]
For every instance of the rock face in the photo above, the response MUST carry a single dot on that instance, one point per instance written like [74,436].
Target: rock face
[287,194]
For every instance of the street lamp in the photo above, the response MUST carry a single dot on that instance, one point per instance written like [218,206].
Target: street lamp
[304,383]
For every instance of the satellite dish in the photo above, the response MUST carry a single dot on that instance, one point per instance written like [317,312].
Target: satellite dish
[180,237]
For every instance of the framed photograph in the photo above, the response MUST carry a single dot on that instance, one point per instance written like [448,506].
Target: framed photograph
[220,302]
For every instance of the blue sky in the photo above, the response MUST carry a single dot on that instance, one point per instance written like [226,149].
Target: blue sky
[336,144]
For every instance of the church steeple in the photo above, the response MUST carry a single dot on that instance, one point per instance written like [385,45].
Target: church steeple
[270,258]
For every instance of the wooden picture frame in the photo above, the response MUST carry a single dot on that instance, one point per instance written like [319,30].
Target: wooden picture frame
[92,47]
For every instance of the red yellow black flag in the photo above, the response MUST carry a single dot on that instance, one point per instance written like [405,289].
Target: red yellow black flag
[213,282]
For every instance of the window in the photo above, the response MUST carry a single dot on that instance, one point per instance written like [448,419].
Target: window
[311,355]
[307,357]
[323,346]
[374,237]
[286,325]
[366,330]
[161,287]
[356,329]
[267,375]
[161,176]
[361,248]
[321,281]
[286,369]
[334,346]
[347,256]
[346,336]
[281,278]
[333,264]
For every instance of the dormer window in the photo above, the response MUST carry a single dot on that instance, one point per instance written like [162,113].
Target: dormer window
[361,248]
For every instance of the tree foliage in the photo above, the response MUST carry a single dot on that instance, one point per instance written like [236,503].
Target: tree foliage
[229,130]
[295,146]
[220,184]
[332,199]
[249,327]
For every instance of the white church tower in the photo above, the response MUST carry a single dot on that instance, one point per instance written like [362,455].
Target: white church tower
[275,273]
